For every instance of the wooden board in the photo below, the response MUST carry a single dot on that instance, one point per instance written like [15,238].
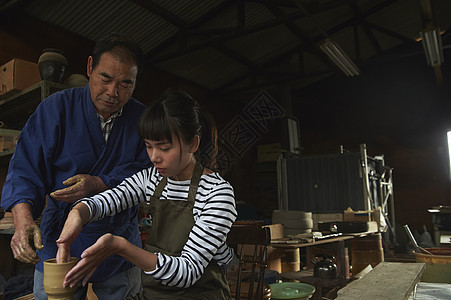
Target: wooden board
[26,297]
[7,222]
[298,244]
[386,281]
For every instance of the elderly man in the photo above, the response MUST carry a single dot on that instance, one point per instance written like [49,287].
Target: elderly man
[77,143]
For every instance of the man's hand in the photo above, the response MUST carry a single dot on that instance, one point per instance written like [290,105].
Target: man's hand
[80,186]
[27,235]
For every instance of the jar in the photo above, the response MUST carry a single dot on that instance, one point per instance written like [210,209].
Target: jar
[52,65]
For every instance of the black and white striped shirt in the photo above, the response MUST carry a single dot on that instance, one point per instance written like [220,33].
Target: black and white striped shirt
[214,212]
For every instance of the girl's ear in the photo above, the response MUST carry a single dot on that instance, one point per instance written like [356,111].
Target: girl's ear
[195,144]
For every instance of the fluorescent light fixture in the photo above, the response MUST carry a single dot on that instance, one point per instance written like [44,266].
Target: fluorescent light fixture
[432,44]
[293,136]
[339,57]
[448,135]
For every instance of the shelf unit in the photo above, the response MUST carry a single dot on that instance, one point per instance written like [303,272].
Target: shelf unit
[15,110]
[7,153]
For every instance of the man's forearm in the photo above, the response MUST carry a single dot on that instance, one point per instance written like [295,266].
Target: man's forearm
[22,214]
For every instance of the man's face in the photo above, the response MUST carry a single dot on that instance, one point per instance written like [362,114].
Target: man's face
[111,83]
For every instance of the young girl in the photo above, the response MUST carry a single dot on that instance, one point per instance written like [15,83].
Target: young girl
[192,209]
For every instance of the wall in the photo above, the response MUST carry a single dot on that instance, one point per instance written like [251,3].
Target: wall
[395,107]
[25,38]
[398,110]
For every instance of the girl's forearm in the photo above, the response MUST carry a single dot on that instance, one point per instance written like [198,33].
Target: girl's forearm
[83,212]
[145,260]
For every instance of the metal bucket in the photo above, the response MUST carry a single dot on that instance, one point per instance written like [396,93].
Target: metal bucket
[438,265]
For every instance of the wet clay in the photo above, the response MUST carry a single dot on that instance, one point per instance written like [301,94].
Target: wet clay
[53,279]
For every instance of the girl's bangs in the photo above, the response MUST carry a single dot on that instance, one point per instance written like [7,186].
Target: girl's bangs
[156,126]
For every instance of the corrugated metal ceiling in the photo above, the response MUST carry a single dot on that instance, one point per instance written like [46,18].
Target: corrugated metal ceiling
[227,45]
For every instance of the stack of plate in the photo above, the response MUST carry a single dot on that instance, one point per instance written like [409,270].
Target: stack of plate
[294,221]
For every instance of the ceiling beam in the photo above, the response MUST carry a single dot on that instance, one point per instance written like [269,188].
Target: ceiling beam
[162,13]
[358,52]
[330,31]
[313,6]
[309,43]
[366,29]
[290,25]
[173,19]
[279,79]
[426,12]
[239,58]
[199,22]
[238,33]
[241,13]
[402,38]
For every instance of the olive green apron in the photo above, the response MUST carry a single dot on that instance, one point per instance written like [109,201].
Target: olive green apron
[172,221]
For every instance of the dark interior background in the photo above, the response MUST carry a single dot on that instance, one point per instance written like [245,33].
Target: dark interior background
[395,107]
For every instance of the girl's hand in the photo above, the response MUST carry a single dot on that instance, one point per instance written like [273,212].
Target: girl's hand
[105,246]
[72,228]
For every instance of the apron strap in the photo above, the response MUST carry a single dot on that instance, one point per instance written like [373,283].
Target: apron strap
[160,187]
[145,206]
[195,178]
[197,172]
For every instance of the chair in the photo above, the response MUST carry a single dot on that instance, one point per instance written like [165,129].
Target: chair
[250,242]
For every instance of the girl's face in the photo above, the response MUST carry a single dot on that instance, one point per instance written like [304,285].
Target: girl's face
[173,159]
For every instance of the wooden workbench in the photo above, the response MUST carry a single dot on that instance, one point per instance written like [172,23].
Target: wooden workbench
[7,224]
[387,281]
[333,246]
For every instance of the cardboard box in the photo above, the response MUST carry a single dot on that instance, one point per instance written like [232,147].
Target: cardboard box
[268,152]
[8,139]
[326,217]
[277,231]
[17,75]
[357,216]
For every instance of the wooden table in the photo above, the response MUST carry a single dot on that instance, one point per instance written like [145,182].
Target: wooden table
[7,224]
[387,281]
[334,246]
[299,244]
[294,243]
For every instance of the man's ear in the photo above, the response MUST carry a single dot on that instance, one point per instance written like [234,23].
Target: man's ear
[89,67]
[195,144]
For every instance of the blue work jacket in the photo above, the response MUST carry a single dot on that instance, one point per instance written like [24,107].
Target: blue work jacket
[63,138]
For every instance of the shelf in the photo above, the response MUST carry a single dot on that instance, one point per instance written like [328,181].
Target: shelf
[7,152]
[39,90]
[8,132]
[15,110]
